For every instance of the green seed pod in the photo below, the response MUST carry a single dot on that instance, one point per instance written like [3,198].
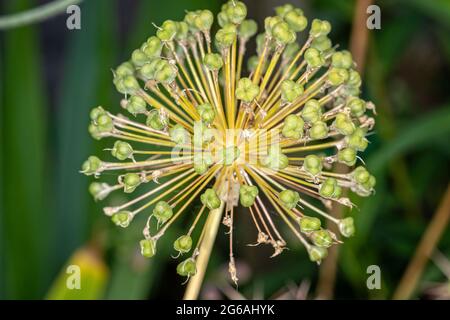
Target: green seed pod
[283,33]
[247,29]
[96,112]
[313,164]
[347,156]
[226,36]
[314,58]
[291,90]
[125,69]
[162,211]
[322,238]
[343,124]
[167,31]
[104,123]
[210,199]
[206,112]
[152,47]
[130,182]
[127,84]
[275,159]
[284,9]
[94,132]
[291,51]
[236,11]
[213,61]
[357,106]
[139,58]
[296,20]
[122,218]
[337,76]
[179,134]
[330,189]
[183,244]
[347,227]
[148,247]
[204,20]
[222,19]
[319,28]
[247,195]
[99,191]
[202,135]
[289,198]
[361,175]
[122,150]
[182,31]
[322,43]
[293,127]
[318,131]
[354,79]
[136,105]
[200,166]
[189,18]
[309,224]
[312,111]
[156,121]
[357,140]
[92,165]
[246,90]
[187,268]
[270,23]
[166,73]
[317,254]
[342,59]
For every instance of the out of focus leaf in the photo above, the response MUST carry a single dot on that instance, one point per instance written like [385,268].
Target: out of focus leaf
[25,217]
[83,277]
[437,9]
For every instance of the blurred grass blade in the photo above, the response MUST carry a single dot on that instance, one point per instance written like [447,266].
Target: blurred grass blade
[93,274]
[25,218]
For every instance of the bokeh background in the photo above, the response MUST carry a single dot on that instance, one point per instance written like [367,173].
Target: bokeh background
[51,77]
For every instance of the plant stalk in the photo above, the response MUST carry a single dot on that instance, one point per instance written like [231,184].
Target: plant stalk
[212,225]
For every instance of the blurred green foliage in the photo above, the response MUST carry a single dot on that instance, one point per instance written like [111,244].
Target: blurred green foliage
[46,213]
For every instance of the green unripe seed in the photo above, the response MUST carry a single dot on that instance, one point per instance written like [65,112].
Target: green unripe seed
[318,131]
[312,164]
[289,198]
[291,90]
[317,254]
[187,268]
[275,159]
[206,112]
[347,156]
[293,127]
[309,224]
[183,244]
[210,199]
[91,166]
[179,134]
[213,61]
[247,195]
[283,34]
[125,69]
[322,43]
[357,106]
[312,111]
[342,59]
[236,11]
[156,121]
[246,90]
[343,124]
[122,218]
[226,36]
[136,105]
[357,140]
[139,58]
[152,47]
[148,247]
[167,31]
[337,76]
[296,20]
[322,238]
[284,9]
[330,188]
[162,211]
[347,227]
[204,20]
[247,29]
[122,150]
[130,182]
[319,28]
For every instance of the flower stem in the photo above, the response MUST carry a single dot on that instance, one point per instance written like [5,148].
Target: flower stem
[211,227]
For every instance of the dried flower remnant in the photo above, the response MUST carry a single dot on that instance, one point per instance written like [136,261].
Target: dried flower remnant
[263,138]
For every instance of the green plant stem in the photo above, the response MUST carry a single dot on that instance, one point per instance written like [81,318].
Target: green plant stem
[35,15]
[212,225]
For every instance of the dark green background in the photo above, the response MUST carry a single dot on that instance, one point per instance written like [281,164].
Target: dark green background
[51,77]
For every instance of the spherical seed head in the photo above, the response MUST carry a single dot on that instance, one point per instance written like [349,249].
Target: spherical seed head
[148,247]
[187,268]
[246,90]
[122,150]
[213,61]
[309,224]
[293,127]
[317,254]
[289,198]
[322,238]
[312,164]
[247,29]
[122,218]
[130,182]
[183,244]
[347,227]
[162,211]
[210,199]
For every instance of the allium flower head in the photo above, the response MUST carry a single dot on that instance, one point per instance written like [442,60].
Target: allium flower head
[206,127]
